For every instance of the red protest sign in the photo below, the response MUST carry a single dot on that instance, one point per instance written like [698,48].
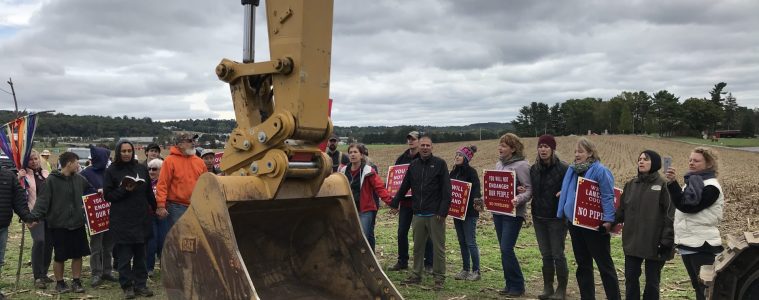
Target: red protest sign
[97,211]
[500,190]
[395,175]
[459,198]
[588,211]
[217,159]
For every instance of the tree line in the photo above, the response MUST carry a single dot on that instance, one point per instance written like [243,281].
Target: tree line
[639,113]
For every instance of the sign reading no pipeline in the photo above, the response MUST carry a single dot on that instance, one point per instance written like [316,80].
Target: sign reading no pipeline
[588,210]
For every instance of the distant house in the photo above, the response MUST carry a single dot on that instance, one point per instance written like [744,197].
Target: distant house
[139,139]
[727,133]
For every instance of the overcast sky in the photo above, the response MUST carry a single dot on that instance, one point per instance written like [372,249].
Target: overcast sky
[393,62]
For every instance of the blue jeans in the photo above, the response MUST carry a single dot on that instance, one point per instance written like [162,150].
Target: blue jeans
[175,212]
[466,232]
[507,229]
[3,243]
[367,219]
[155,243]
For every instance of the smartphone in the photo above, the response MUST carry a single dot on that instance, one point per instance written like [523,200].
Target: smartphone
[667,160]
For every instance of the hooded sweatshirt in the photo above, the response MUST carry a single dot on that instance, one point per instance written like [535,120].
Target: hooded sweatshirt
[179,174]
[60,201]
[95,173]
[131,216]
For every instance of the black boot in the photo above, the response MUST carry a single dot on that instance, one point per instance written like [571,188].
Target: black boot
[548,272]
[562,276]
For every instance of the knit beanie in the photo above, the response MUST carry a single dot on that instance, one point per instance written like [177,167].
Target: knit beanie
[547,139]
[655,160]
[467,152]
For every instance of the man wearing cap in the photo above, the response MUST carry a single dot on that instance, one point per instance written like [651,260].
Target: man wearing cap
[208,156]
[405,212]
[179,174]
[338,158]
[44,156]
[152,151]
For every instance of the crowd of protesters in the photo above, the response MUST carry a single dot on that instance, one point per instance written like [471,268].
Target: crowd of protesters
[659,215]
[49,201]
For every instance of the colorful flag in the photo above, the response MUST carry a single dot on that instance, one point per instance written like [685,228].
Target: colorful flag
[17,137]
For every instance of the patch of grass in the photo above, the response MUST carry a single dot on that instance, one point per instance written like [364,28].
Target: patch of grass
[26,290]
[726,142]
[674,281]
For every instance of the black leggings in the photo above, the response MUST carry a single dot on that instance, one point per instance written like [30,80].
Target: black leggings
[693,263]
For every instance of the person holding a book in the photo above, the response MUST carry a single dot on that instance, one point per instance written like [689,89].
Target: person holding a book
[132,200]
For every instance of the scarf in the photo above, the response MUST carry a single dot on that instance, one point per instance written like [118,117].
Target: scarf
[583,166]
[511,159]
[695,186]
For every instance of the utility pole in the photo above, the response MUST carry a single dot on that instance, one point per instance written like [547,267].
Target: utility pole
[13,92]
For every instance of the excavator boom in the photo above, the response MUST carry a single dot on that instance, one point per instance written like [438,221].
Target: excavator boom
[278,226]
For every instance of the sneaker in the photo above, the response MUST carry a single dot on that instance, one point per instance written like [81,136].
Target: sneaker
[61,287]
[428,269]
[143,291]
[109,277]
[511,294]
[464,274]
[48,279]
[96,281]
[40,283]
[474,276]
[412,280]
[438,285]
[150,274]
[129,293]
[399,266]
[76,286]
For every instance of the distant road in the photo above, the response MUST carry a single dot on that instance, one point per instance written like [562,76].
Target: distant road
[752,149]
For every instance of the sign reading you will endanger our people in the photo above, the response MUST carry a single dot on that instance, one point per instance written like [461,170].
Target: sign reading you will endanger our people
[395,175]
[500,190]
[588,210]
[459,198]
[97,211]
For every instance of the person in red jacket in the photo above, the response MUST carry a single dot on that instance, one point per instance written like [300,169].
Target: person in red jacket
[364,182]
[179,174]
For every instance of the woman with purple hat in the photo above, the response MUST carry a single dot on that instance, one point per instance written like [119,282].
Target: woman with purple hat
[546,176]
[466,229]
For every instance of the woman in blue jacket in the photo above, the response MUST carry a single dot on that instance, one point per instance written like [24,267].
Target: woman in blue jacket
[590,245]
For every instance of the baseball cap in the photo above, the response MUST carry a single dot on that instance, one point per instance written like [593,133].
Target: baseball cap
[181,136]
[45,152]
[206,152]
[414,134]
[333,138]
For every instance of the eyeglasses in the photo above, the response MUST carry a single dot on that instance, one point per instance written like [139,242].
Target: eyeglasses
[154,169]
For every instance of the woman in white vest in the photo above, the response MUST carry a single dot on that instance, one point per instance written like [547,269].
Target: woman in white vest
[699,212]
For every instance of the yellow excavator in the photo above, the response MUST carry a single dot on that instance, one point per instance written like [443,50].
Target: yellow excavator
[279,225]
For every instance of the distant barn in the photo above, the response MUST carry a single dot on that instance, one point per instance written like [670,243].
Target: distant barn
[727,133]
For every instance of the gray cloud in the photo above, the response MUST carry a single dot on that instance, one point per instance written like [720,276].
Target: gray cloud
[414,62]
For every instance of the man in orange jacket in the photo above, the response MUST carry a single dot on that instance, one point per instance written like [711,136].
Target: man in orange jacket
[179,174]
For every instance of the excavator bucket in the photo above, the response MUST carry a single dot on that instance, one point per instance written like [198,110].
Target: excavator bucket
[232,245]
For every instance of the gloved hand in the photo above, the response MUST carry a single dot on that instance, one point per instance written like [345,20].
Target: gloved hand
[664,251]
[605,227]
[479,204]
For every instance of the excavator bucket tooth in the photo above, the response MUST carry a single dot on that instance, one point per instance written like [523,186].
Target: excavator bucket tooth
[228,247]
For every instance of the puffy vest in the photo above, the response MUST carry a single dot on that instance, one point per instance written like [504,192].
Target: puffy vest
[693,230]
